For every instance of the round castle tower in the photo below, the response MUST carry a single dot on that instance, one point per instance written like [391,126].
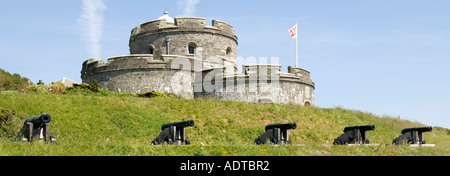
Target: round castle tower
[185,57]
[185,36]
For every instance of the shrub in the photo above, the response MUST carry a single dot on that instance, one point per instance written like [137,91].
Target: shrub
[83,86]
[8,125]
[37,88]
[57,88]
[151,94]
[86,89]
[94,87]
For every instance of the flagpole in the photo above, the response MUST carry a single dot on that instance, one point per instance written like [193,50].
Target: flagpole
[296,45]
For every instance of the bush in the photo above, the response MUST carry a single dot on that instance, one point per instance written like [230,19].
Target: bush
[57,88]
[86,89]
[14,81]
[84,86]
[8,125]
[151,94]
[37,88]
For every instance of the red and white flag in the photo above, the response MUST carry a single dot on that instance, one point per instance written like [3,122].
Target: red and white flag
[293,31]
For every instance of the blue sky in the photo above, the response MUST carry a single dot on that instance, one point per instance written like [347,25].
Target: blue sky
[387,57]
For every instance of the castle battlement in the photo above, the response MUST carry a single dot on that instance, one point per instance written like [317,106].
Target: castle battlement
[133,62]
[257,83]
[257,72]
[183,24]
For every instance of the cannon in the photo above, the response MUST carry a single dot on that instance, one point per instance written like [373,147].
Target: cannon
[354,135]
[276,133]
[39,120]
[412,136]
[37,127]
[174,133]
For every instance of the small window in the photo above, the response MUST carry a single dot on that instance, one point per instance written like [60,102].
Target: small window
[228,52]
[191,49]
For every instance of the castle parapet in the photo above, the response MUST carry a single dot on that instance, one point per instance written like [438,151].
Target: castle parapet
[91,64]
[303,74]
[183,24]
[135,62]
[261,69]
[257,83]
[258,72]
[190,23]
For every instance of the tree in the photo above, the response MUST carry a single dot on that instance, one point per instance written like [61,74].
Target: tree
[12,82]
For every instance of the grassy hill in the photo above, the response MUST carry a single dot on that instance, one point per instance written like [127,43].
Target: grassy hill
[126,125]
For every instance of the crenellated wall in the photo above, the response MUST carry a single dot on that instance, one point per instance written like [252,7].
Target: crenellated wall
[259,83]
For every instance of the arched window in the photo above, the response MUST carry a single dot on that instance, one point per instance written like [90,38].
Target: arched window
[151,50]
[191,48]
[228,52]
[307,104]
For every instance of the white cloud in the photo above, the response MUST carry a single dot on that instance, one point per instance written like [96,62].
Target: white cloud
[188,6]
[91,24]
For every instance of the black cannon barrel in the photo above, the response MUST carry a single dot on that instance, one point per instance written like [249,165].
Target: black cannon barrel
[178,124]
[360,127]
[44,118]
[419,129]
[284,126]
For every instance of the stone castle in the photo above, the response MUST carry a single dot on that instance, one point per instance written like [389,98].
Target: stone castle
[186,57]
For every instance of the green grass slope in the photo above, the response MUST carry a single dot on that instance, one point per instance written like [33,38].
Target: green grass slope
[115,125]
